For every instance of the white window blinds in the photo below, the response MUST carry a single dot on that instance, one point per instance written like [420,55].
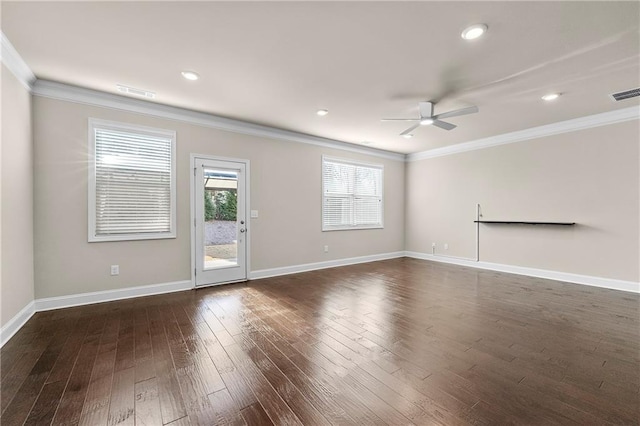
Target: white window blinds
[351,195]
[132,183]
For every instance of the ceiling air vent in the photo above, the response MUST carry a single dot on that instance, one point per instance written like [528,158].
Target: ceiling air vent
[627,94]
[135,92]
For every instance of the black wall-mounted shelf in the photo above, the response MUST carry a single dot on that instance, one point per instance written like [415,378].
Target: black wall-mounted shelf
[514,222]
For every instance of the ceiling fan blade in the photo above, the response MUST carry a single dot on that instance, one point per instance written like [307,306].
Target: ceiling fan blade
[410,129]
[400,119]
[443,125]
[426,109]
[458,112]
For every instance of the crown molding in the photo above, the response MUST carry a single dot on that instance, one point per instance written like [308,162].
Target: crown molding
[65,92]
[596,120]
[14,62]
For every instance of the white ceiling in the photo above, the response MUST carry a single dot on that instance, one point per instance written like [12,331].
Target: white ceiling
[276,63]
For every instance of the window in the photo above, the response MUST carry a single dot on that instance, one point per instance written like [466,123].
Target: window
[351,195]
[132,192]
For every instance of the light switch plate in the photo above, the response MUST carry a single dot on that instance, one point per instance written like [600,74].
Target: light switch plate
[254,214]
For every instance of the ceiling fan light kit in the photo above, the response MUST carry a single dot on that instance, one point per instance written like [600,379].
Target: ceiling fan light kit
[427,118]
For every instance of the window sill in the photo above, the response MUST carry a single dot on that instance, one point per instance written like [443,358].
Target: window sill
[352,228]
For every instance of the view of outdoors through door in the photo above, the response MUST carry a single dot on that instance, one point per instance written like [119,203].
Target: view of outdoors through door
[219,220]
[220,231]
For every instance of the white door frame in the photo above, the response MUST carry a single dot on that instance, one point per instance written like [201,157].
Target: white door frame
[192,219]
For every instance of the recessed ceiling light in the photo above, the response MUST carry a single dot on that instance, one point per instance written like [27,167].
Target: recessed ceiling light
[190,75]
[551,96]
[407,136]
[474,31]
[322,112]
[426,122]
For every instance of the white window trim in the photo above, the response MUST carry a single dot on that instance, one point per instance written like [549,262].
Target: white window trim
[355,163]
[91,201]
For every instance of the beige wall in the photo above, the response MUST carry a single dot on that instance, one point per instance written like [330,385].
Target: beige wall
[16,285]
[590,177]
[285,188]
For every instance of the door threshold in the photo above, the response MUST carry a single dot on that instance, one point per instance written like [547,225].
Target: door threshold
[222,283]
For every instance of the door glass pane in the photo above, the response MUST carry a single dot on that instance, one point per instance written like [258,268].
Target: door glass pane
[220,218]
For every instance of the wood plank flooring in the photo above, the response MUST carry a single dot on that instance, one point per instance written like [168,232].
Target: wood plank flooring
[395,342]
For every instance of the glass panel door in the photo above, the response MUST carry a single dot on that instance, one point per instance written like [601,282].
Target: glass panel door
[220,222]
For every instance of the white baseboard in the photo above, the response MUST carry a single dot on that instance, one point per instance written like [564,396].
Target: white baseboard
[59,302]
[285,270]
[14,324]
[630,286]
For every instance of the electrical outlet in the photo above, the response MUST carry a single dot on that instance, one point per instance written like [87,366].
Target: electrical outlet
[446,246]
[326,249]
[115,269]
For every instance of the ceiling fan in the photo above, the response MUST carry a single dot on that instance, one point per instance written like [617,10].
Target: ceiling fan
[427,117]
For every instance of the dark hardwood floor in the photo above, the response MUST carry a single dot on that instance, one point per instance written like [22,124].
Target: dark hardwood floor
[395,342]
